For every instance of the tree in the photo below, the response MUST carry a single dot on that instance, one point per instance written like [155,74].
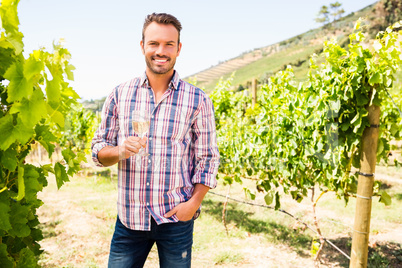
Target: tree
[336,11]
[323,15]
[393,10]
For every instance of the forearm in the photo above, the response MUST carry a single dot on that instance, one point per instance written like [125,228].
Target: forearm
[200,190]
[109,155]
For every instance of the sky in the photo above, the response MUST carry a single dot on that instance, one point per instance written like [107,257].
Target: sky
[104,36]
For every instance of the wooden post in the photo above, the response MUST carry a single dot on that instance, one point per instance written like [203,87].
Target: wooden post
[254,92]
[365,184]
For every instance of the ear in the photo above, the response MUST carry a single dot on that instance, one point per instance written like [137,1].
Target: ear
[142,47]
[178,49]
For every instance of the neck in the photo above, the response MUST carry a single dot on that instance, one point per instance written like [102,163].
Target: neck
[159,82]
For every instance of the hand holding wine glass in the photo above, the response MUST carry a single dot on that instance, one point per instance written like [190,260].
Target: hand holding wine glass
[140,121]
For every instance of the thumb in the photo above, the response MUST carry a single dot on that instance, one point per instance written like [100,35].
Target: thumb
[170,213]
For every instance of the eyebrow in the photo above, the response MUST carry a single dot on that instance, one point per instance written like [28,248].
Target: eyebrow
[168,42]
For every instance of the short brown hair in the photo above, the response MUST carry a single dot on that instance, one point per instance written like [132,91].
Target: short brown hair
[161,18]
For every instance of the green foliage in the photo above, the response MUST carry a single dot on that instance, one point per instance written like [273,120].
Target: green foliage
[35,99]
[302,134]
[80,127]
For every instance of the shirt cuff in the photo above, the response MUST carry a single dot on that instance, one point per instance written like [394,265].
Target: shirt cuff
[205,179]
[96,149]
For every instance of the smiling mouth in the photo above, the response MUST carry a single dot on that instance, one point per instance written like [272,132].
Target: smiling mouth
[161,61]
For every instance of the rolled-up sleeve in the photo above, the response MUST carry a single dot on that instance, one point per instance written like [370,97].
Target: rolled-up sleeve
[106,134]
[205,145]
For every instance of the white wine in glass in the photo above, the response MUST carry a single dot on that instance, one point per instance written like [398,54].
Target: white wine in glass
[140,121]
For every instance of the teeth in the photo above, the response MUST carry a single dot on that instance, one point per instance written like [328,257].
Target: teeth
[160,60]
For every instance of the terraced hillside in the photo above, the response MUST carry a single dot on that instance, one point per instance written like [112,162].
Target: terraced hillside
[296,51]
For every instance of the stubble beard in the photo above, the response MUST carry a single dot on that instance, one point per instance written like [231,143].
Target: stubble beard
[160,70]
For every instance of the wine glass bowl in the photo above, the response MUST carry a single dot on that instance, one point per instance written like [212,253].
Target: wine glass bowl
[140,121]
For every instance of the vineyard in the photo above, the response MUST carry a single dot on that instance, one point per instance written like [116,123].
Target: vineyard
[286,143]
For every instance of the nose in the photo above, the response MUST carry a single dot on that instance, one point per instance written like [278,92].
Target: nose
[160,50]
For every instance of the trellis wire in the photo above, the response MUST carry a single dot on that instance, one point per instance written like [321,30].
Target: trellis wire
[285,212]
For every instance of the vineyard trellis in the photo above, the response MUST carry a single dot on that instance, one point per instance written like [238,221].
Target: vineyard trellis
[295,137]
[299,135]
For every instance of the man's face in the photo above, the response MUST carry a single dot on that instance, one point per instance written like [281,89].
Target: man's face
[160,47]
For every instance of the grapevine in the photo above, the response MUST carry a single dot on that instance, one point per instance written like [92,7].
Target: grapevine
[35,99]
[300,135]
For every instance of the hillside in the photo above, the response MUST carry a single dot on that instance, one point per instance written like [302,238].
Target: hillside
[262,62]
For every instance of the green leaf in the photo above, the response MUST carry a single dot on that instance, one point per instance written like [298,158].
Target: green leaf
[53,89]
[249,194]
[10,132]
[31,110]
[69,71]
[32,185]
[27,259]
[21,184]
[61,174]
[269,198]
[32,67]
[362,99]
[277,201]
[19,220]
[5,259]
[45,137]
[228,180]
[375,79]
[9,16]
[19,87]
[15,39]
[9,159]
[4,210]
[56,116]
[385,198]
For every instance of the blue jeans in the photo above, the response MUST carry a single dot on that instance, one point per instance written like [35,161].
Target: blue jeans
[130,248]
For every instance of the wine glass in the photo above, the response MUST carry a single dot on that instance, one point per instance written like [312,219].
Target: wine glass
[140,121]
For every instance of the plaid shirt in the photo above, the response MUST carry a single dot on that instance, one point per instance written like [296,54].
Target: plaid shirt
[181,143]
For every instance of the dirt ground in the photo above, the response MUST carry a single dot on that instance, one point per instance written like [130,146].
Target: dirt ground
[76,237]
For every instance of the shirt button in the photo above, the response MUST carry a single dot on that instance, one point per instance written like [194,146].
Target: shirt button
[147,183]
[152,116]
[150,97]
[149,161]
[147,203]
[150,138]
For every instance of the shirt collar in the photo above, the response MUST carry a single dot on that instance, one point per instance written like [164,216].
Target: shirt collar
[174,83]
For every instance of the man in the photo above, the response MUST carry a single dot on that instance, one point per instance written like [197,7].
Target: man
[159,195]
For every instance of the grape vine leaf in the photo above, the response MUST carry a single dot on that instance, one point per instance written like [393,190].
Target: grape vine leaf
[32,67]
[21,183]
[269,198]
[27,259]
[4,210]
[53,89]
[32,109]
[19,86]
[61,174]
[385,199]
[32,186]
[9,15]
[10,132]
[45,138]
[5,260]
[18,219]
[9,159]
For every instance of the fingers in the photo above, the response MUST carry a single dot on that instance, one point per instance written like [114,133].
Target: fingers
[131,146]
[170,213]
[135,141]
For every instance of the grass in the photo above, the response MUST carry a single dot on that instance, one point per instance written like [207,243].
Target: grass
[256,235]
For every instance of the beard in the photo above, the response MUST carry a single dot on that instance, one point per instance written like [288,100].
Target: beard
[154,68]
